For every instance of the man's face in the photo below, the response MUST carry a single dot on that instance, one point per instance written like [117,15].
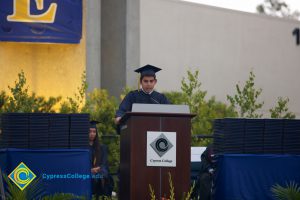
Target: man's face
[148,83]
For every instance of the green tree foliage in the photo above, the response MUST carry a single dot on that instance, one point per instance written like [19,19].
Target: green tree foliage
[3,101]
[21,100]
[34,190]
[281,110]
[125,91]
[99,104]
[102,107]
[75,105]
[290,192]
[277,8]
[246,100]
[206,110]
[175,97]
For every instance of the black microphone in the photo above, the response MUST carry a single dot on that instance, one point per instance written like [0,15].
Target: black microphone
[154,100]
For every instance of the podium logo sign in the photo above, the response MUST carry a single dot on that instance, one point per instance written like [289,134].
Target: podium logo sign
[161,149]
[161,145]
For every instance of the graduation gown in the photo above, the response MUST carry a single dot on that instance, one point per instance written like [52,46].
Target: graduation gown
[139,96]
[100,160]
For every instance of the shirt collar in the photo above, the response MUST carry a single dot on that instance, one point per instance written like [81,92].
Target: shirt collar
[146,92]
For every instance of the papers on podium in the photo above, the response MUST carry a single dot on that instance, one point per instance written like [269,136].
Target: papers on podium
[160,108]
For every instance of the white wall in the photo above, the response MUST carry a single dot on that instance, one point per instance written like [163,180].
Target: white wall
[224,45]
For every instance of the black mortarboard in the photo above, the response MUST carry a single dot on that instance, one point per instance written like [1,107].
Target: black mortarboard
[147,70]
[93,124]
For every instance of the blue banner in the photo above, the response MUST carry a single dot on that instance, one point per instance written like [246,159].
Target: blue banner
[51,21]
[59,170]
[251,177]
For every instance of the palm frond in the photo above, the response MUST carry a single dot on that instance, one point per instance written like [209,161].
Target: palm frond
[13,192]
[290,192]
[63,196]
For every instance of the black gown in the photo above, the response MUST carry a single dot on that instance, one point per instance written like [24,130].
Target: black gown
[139,96]
[100,186]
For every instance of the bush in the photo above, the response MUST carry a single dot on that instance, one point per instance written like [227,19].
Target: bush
[206,110]
[281,110]
[75,105]
[98,104]
[245,101]
[102,108]
[22,100]
[290,192]
[246,104]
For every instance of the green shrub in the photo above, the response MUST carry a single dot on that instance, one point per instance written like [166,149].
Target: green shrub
[245,101]
[206,110]
[102,108]
[34,190]
[281,110]
[290,192]
[21,100]
[76,104]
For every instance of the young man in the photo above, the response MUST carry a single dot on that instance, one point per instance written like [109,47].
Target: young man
[144,95]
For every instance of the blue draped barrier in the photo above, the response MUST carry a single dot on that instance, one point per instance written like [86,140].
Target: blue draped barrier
[60,170]
[250,177]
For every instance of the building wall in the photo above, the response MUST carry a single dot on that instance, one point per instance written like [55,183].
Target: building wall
[113,45]
[119,44]
[50,69]
[93,44]
[224,45]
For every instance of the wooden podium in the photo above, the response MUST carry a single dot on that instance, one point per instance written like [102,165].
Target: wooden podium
[135,175]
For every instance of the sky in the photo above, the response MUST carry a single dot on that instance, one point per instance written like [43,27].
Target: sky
[244,5]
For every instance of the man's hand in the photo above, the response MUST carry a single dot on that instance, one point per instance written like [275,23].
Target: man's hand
[117,120]
[95,170]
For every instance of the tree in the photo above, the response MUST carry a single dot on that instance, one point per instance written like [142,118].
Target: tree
[206,110]
[102,107]
[246,100]
[76,105]
[277,8]
[281,110]
[22,100]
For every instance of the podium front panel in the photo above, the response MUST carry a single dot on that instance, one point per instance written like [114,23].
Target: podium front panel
[135,175]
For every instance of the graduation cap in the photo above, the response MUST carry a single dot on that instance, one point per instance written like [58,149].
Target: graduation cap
[147,70]
[93,124]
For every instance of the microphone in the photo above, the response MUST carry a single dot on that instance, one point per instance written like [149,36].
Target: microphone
[154,100]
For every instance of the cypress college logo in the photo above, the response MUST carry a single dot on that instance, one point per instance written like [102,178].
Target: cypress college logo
[161,149]
[22,176]
[161,145]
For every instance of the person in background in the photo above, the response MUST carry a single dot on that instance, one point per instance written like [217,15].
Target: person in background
[99,170]
[146,94]
[203,185]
